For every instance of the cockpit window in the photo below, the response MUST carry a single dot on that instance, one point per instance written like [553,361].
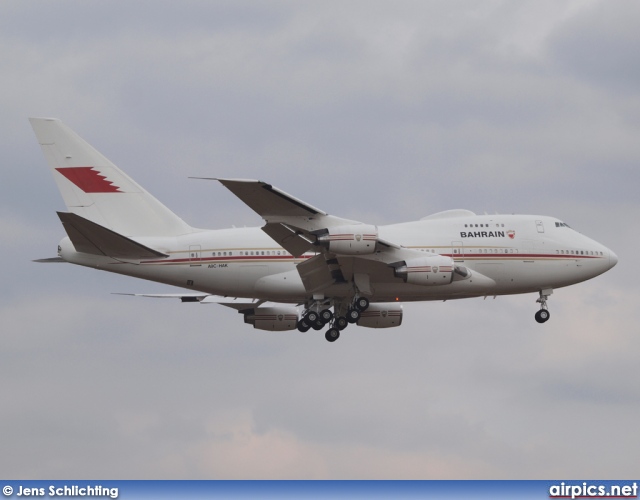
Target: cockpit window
[562,224]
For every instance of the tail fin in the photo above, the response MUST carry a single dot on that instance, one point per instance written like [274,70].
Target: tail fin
[97,190]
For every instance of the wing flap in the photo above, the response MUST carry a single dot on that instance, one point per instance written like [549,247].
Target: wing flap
[291,240]
[326,270]
[315,274]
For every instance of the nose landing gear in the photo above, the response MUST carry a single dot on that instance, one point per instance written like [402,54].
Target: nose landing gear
[543,314]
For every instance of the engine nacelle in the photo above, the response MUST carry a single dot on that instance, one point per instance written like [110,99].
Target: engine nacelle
[426,271]
[382,315]
[359,239]
[274,319]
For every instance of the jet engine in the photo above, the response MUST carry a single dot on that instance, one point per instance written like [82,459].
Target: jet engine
[274,319]
[359,239]
[426,271]
[382,315]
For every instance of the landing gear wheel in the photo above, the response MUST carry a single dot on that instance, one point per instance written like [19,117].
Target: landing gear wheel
[311,317]
[303,326]
[332,334]
[353,315]
[341,322]
[317,325]
[325,316]
[542,316]
[362,303]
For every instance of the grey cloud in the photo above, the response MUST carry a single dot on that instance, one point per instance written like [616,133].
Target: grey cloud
[377,113]
[597,46]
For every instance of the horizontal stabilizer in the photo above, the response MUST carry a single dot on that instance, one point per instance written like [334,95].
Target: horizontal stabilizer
[50,260]
[89,237]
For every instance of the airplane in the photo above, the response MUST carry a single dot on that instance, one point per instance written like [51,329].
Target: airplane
[305,269]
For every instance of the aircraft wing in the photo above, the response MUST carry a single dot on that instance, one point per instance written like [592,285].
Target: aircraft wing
[290,222]
[202,298]
[347,251]
[270,202]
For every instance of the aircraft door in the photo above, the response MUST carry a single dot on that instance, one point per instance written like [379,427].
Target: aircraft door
[457,251]
[540,226]
[195,252]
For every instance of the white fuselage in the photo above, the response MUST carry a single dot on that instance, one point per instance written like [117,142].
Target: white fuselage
[517,253]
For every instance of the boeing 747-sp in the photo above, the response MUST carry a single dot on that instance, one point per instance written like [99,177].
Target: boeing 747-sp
[305,268]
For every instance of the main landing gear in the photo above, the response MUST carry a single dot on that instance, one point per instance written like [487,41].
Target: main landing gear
[316,318]
[332,334]
[543,314]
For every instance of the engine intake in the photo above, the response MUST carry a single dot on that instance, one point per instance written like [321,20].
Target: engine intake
[359,239]
[381,315]
[426,271]
[274,319]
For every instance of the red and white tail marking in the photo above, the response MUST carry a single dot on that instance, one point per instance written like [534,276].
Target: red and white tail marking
[89,180]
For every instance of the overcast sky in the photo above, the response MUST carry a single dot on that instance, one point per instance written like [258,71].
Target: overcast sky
[377,111]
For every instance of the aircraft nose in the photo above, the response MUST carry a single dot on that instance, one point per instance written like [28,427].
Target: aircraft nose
[613,259]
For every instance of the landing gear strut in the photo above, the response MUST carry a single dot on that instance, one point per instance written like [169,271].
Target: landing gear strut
[543,314]
[319,314]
